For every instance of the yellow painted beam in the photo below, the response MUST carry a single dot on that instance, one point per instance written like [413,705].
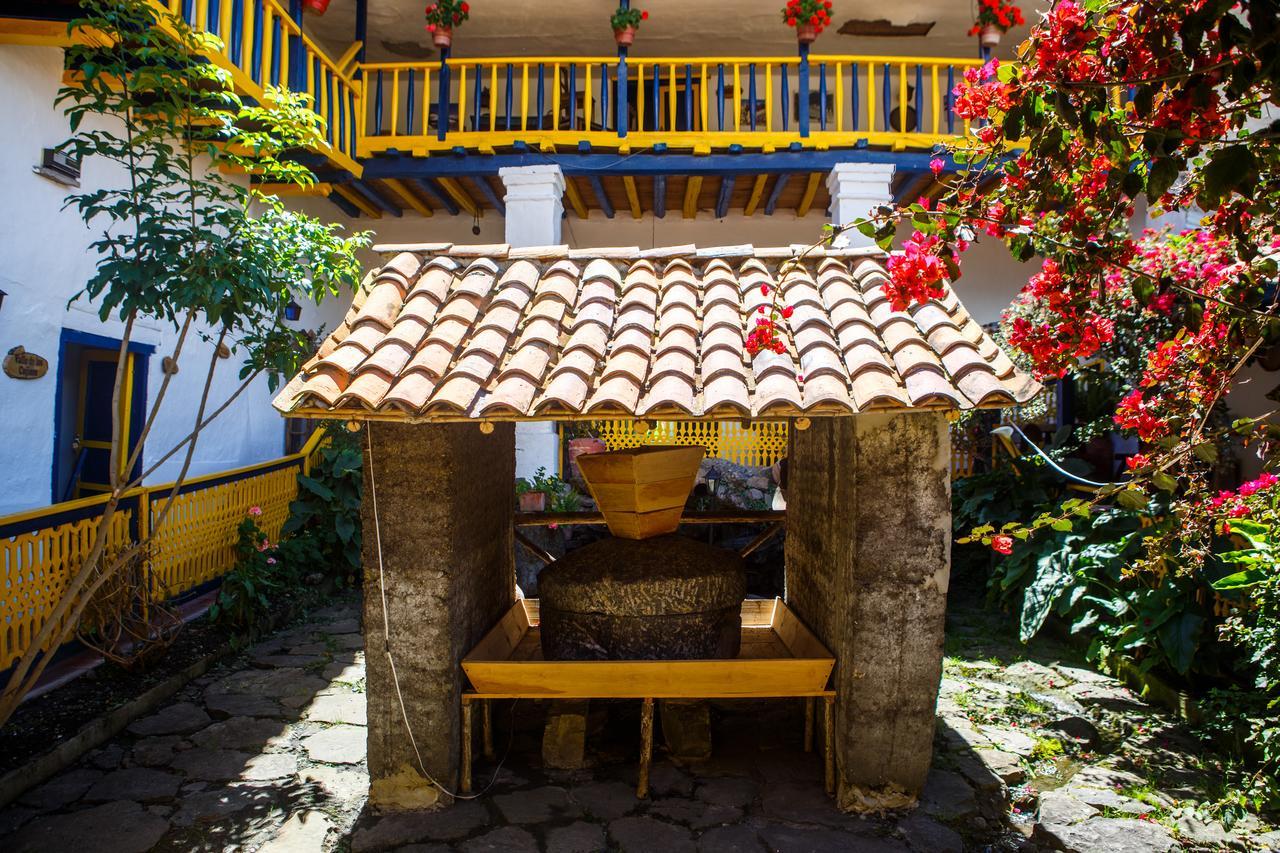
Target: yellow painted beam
[35,33]
[757,193]
[465,201]
[397,186]
[810,190]
[691,189]
[633,197]
[575,198]
[284,189]
[348,57]
[359,201]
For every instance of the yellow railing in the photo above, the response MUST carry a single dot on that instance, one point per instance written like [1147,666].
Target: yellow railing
[40,550]
[263,46]
[696,103]
[754,446]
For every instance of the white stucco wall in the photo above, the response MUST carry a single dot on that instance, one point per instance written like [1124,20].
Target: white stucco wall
[44,260]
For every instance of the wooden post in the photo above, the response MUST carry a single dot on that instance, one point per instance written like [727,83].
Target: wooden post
[808,723]
[486,727]
[828,743]
[646,748]
[465,783]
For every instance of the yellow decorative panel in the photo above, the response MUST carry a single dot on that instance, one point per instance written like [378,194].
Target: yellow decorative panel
[754,446]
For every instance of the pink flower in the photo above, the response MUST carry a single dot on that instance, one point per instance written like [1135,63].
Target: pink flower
[255,511]
[936,166]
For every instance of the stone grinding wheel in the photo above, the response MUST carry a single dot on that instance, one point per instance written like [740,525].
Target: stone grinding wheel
[664,598]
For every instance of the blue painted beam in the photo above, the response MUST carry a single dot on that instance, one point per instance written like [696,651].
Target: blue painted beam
[345,206]
[601,163]
[660,196]
[375,198]
[726,192]
[778,186]
[487,191]
[603,200]
[436,192]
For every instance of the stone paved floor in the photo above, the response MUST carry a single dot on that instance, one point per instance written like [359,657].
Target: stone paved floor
[267,754]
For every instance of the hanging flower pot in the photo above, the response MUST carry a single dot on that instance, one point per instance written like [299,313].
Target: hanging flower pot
[625,22]
[315,7]
[443,17]
[995,18]
[808,18]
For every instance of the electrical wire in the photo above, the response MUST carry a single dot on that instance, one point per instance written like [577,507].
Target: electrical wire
[386,647]
[1054,465]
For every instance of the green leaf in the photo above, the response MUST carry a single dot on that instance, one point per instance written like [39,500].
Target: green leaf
[1132,499]
[317,488]
[1053,576]
[1180,637]
[1231,168]
[1242,580]
[344,526]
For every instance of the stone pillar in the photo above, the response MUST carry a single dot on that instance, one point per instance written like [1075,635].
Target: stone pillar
[535,209]
[855,189]
[868,560]
[444,519]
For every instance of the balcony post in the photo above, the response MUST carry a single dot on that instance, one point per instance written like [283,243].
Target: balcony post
[802,96]
[856,189]
[623,99]
[296,49]
[362,27]
[442,104]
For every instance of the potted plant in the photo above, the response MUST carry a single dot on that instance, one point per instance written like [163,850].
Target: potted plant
[442,17]
[625,22]
[995,17]
[532,494]
[808,17]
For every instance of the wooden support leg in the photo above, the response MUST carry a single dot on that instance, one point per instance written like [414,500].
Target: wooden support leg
[646,747]
[464,784]
[828,746]
[808,723]
[486,728]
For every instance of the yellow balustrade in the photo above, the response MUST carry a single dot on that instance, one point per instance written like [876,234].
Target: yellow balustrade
[41,550]
[699,104]
[754,446]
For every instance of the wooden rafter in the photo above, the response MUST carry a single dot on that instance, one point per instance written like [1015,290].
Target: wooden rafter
[692,187]
[575,198]
[810,190]
[757,192]
[407,196]
[633,197]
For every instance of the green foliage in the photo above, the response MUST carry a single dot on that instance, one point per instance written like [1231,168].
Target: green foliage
[323,528]
[245,597]
[182,235]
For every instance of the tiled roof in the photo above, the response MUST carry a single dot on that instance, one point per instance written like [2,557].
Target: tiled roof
[445,332]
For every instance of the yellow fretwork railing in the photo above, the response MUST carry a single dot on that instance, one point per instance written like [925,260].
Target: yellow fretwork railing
[42,549]
[755,446]
[696,103]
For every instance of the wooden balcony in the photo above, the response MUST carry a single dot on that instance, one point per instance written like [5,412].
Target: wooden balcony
[698,104]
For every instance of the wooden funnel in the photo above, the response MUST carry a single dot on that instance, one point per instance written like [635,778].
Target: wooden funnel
[642,491]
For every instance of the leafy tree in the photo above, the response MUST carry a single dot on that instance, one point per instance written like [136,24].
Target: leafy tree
[183,241]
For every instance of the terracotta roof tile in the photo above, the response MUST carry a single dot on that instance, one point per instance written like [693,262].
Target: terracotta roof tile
[447,332]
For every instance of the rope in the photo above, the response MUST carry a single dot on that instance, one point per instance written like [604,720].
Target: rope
[386,647]
[1054,465]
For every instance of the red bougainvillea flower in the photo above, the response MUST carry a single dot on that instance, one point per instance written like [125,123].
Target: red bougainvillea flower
[1002,544]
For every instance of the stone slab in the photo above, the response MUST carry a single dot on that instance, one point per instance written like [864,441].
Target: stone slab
[179,718]
[119,827]
[303,832]
[141,784]
[337,745]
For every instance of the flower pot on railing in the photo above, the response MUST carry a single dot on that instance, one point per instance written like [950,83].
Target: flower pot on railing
[989,35]
[315,7]
[532,501]
[442,37]
[806,33]
[625,36]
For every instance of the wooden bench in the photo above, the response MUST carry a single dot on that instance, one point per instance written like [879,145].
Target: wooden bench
[779,658]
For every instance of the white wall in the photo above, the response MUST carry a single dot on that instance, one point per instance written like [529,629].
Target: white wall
[44,260]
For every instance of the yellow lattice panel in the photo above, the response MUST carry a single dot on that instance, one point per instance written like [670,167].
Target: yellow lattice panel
[198,539]
[36,568]
[754,446]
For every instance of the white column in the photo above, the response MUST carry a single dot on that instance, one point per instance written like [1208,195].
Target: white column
[855,189]
[535,208]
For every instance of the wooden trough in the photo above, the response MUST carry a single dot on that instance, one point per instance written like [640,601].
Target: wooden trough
[642,491]
[779,657]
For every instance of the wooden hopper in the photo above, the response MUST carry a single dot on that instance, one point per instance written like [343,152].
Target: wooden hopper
[642,491]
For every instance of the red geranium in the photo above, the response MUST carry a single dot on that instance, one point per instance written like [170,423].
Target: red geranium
[814,13]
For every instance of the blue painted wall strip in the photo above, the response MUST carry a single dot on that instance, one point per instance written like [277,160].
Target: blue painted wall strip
[660,196]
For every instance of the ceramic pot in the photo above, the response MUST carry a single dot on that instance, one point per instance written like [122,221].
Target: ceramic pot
[625,36]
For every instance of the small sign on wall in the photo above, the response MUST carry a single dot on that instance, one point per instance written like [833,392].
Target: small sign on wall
[20,364]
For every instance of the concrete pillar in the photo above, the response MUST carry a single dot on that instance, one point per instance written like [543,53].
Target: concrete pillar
[443,500]
[868,560]
[535,209]
[855,189]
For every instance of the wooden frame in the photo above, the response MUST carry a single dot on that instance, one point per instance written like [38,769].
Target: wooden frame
[780,657]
